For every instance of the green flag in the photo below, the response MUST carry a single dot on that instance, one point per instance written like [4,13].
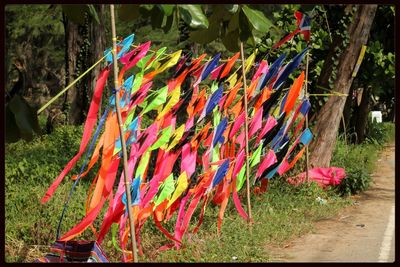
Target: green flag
[155,100]
[240,178]
[164,138]
[167,188]
[256,157]
[143,164]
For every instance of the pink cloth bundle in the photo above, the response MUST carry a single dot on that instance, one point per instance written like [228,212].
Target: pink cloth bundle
[323,176]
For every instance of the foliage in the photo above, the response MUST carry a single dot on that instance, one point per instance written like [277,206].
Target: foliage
[358,162]
[228,23]
[379,133]
[283,212]
[34,33]
[21,120]
[27,179]
[34,64]
[76,13]
[377,69]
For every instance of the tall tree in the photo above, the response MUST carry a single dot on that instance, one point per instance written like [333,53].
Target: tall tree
[329,116]
[361,115]
[377,72]
[85,43]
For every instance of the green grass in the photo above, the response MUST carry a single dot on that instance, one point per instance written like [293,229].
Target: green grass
[284,212]
[359,160]
[30,168]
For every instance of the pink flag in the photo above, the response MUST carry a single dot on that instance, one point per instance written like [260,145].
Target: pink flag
[141,94]
[237,124]
[256,122]
[87,131]
[152,132]
[239,163]
[166,168]
[215,72]
[240,139]
[263,68]
[271,122]
[267,161]
[189,123]
[222,101]
[144,48]
[188,162]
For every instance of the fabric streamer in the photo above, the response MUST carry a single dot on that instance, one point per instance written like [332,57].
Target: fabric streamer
[184,133]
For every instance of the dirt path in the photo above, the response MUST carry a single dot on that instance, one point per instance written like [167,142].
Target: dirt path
[363,232]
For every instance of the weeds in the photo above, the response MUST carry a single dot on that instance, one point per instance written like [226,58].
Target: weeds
[359,160]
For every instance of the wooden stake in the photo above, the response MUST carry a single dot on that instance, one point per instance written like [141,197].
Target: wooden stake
[246,135]
[306,94]
[121,134]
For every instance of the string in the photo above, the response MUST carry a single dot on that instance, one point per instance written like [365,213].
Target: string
[337,94]
[70,85]
[329,90]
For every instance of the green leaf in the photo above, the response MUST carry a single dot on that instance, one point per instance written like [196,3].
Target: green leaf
[128,12]
[93,13]
[219,14]
[244,28]
[148,7]
[207,35]
[75,13]
[12,130]
[157,17]
[257,19]
[168,24]
[230,41]
[194,16]
[234,23]
[25,117]
[168,9]
[232,8]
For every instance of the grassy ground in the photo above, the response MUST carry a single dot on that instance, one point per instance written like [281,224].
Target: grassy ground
[283,213]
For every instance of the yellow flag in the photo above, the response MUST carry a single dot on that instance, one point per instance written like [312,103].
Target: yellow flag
[232,80]
[250,60]
[174,99]
[177,137]
[173,59]
[164,138]
[143,164]
[181,186]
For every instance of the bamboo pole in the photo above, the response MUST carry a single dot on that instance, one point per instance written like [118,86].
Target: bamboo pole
[306,94]
[246,135]
[121,134]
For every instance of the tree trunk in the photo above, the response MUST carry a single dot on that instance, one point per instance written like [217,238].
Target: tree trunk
[361,116]
[97,46]
[326,73]
[329,116]
[347,113]
[73,41]
[84,47]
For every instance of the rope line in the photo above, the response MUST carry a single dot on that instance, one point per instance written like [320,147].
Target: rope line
[69,86]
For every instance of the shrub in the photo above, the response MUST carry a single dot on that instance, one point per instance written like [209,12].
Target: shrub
[358,162]
[380,133]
